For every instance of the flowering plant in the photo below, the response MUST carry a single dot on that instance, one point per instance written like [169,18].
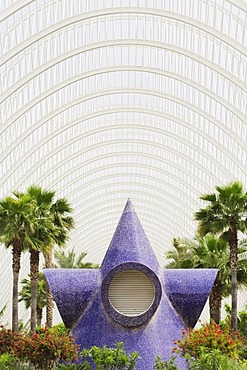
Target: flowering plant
[7,339]
[42,349]
[208,338]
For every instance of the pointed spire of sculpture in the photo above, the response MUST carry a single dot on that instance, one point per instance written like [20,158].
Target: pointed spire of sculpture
[129,243]
[129,207]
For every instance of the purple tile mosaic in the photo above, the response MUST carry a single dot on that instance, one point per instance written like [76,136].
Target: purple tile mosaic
[82,297]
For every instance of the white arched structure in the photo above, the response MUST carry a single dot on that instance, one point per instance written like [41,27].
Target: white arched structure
[105,100]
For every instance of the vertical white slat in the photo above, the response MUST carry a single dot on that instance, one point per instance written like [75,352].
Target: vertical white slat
[131,293]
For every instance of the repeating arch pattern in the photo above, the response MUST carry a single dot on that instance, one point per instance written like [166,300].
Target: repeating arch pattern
[105,100]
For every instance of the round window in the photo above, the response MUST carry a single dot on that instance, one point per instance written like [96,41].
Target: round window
[131,293]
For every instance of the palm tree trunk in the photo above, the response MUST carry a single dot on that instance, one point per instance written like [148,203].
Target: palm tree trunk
[49,307]
[16,265]
[233,241]
[34,275]
[49,297]
[39,313]
[215,299]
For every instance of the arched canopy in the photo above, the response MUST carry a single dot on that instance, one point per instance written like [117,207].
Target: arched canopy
[105,100]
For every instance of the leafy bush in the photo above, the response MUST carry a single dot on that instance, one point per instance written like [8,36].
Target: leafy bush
[59,329]
[10,362]
[165,365]
[7,338]
[7,361]
[242,327]
[70,367]
[208,338]
[109,358]
[214,360]
[42,349]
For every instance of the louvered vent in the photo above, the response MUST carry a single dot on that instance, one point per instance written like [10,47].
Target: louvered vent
[131,293]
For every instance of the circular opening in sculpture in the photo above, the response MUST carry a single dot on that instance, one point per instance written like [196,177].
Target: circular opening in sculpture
[131,293]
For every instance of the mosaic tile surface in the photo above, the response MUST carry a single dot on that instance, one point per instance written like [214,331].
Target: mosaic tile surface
[82,297]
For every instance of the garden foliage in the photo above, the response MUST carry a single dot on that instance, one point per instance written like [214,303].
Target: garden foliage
[42,350]
[211,347]
[109,358]
[209,337]
[214,360]
[165,365]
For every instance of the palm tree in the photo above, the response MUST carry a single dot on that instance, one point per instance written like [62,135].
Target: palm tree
[226,213]
[17,230]
[26,296]
[69,260]
[181,255]
[210,252]
[45,233]
[59,213]
[2,310]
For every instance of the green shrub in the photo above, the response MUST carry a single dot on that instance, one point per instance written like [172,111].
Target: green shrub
[109,358]
[10,362]
[165,365]
[242,327]
[59,329]
[70,367]
[7,361]
[213,360]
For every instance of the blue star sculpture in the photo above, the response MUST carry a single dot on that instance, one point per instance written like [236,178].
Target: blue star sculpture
[131,299]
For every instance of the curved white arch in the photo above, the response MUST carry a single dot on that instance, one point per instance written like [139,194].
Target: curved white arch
[118,91]
[17,6]
[139,110]
[148,178]
[97,244]
[102,13]
[72,80]
[212,160]
[159,244]
[111,127]
[100,45]
[159,216]
[140,165]
[95,206]
[97,213]
[144,166]
[148,191]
